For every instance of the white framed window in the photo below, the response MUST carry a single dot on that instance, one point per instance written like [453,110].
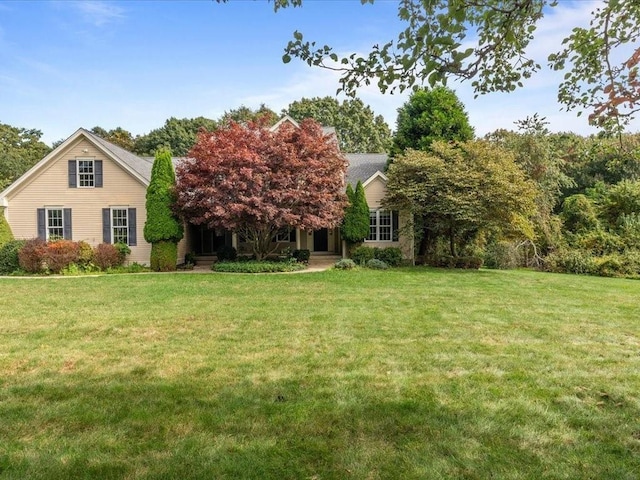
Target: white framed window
[120,225]
[55,223]
[86,173]
[382,227]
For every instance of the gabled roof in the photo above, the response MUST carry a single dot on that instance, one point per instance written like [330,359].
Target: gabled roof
[364,166]
[137,167]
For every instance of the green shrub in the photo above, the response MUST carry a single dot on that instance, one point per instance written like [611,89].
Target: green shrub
[9,261]
[164,256]
[5,230]
[502,255]
[570,261]
[345,264]
[254,266]
[392,256]
[85,254]
[472,263]
[226,253]
[376,264]
[302,256]
[60,254]
[362,254]
[106,256]
[32,256]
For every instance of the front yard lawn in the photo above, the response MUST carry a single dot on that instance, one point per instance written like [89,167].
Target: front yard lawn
[407,373]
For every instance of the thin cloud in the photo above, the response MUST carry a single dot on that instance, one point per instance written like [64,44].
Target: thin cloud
[98,13]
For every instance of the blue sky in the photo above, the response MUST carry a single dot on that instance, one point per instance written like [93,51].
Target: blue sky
[133,64]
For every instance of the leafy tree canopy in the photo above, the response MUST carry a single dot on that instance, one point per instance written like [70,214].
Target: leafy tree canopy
[359,130]
[254,181]
[461,190]
[20,149]
[486,43]
[178,135]
[430,115]
[244,114]
[118,136]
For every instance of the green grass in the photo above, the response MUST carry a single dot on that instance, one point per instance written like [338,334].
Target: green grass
[407,373]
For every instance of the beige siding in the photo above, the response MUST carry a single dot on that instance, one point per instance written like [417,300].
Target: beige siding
[49,187]
[374,192]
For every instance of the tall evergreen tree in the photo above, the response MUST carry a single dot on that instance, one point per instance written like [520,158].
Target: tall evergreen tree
[162,228]
[355,227]
[5,229]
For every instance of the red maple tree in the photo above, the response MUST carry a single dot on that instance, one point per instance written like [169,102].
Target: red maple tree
[255,181]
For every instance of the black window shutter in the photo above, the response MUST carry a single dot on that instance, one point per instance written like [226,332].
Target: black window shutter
[106,225]
[42,224]
[97,171]
[133,240]
[66,224]
[72,174]
[292,235]
[395,225]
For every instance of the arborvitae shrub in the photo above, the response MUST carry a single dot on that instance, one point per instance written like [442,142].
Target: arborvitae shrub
[9,261]
[163,256]
[32,256]
[60,254]
[107,256]
[5,230]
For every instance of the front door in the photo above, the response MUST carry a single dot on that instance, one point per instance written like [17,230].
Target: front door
[207,241]
[321,240]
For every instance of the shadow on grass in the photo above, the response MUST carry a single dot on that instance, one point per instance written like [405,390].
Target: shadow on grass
[141,427]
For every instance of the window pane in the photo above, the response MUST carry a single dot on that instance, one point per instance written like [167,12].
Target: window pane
[373,225]
[85,173]
[54,224]
[385,225]
[119,225]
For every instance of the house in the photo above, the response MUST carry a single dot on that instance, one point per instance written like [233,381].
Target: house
[92,190]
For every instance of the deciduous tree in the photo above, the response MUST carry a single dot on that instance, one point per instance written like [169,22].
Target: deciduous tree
[244,114]
[429,115]
[461,190]
[255,181]
[20,149]
[178,135]
[486,43]
[118,136]
[358,129]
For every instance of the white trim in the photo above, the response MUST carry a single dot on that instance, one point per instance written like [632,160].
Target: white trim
[4,202]
[283,120]
[112,227]
[93,171]
[47,227]
[378,174]
[380,226]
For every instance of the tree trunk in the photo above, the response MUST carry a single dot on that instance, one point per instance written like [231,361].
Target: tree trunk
[452,240]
